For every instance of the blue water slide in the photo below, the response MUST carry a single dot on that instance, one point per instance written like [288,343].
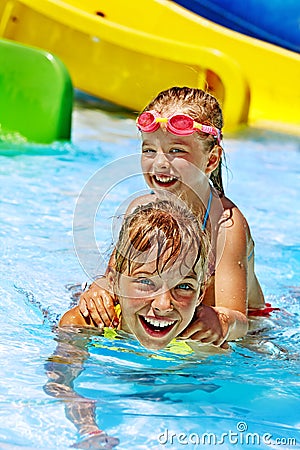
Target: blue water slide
[274,21]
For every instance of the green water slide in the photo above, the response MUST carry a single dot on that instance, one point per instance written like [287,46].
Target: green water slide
[36,94]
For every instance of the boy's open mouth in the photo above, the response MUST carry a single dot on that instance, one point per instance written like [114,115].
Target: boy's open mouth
[165,180]
[157,327]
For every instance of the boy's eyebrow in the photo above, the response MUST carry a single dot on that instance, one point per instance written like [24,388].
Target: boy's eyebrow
[192,276]
[189,275]
[148,273]
[144,272]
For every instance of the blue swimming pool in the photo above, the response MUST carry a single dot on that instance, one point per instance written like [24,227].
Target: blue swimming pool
[248,398]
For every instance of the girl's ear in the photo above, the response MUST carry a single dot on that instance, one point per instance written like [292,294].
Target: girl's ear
[214,159]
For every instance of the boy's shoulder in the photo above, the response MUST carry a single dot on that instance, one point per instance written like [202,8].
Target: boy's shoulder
[72,317]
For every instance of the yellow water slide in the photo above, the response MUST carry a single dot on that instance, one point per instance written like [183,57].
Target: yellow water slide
[127,51]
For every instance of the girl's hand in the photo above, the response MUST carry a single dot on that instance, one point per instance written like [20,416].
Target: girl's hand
[98,304]
[209,327]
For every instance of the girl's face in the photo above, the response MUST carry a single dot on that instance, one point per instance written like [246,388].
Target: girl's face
[157,307]
[175,163]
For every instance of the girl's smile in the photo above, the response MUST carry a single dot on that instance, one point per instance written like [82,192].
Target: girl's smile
[173,162]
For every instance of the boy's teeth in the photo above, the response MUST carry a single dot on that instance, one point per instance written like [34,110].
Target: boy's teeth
[165,179]
[159,323]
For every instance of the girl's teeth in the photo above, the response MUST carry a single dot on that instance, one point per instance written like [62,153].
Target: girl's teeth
[165,179]
[159,323]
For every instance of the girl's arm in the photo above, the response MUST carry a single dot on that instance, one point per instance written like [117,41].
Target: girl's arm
[231,274]
[97,303]
[231,268]
[223,313]
[214,326]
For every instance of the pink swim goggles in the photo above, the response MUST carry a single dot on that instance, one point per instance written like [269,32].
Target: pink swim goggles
[179,124]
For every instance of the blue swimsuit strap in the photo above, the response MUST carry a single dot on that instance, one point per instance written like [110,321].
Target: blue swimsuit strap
[207,212]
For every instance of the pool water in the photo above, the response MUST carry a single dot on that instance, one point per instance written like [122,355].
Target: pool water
[247,398]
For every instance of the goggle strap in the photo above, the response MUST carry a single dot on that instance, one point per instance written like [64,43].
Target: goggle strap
[208,129]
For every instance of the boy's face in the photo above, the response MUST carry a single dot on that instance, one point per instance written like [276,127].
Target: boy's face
[172,162]
[157,307]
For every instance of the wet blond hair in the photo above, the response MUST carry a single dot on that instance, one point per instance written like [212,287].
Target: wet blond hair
[169,227]
[202,107]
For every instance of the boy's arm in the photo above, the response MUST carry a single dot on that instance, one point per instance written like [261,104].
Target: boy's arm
[62,368]
[73,317]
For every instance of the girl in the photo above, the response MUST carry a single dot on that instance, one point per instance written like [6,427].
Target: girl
[181,132]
